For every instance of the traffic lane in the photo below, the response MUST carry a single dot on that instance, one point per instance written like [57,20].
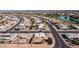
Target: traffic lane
[57,42]
[20,19]
[68,31]
[24,31]
[65,31]
[63,44]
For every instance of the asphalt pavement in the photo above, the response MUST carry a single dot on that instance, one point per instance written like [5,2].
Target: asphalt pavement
[59,42]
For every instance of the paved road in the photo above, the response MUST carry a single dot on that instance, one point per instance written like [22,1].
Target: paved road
[65,31]
[20,19]
[24,31]
[59,43]
[77,31]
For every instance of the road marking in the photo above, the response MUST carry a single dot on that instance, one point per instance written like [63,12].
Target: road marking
[58,41]
[55,35]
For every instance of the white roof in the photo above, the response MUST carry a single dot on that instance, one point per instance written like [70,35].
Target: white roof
[42,34]
[39,34]
[73,35]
